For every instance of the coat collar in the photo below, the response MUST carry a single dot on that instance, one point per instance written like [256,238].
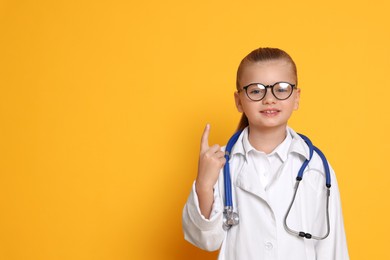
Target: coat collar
[298,145]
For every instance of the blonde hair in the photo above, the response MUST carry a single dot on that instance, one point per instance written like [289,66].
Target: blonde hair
[261,55]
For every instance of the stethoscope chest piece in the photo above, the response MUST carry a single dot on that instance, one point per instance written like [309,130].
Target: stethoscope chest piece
[230,218]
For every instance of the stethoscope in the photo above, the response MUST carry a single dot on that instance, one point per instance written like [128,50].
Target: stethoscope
[231,218]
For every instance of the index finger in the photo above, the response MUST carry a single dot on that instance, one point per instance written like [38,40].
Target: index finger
[204,143]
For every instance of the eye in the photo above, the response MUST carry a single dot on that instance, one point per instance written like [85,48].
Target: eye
[282,87]
[281,90]
[256,89]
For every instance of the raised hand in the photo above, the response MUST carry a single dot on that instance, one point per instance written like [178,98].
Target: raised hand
[211,160]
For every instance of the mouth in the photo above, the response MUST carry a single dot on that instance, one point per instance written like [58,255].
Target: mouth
[270,112]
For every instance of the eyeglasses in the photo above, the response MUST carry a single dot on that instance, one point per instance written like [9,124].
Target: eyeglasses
[280,90]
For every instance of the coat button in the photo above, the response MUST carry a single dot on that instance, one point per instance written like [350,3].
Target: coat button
[269,246]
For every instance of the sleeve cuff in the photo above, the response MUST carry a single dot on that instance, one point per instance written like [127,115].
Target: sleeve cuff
[194,211]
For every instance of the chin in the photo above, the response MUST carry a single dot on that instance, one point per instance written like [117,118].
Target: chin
[268,126]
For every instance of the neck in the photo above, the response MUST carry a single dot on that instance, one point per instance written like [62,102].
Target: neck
[266,140]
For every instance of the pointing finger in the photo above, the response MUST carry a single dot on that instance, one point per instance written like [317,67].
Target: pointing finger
[204,144]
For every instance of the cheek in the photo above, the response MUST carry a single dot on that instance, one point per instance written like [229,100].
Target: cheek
[296,105]
[293,102]
[290,106]
[247,105]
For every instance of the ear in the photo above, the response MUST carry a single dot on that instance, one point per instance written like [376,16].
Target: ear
[238,102]
[297,98]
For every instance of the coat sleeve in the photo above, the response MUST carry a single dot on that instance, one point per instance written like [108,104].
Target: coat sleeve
[206,234]
[334,247]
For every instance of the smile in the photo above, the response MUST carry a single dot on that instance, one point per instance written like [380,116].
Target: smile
[270,112]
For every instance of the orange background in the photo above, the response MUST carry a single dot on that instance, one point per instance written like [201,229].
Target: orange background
[102,105]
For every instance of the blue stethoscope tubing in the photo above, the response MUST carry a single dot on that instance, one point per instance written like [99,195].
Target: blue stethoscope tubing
[226,170]
[231,217]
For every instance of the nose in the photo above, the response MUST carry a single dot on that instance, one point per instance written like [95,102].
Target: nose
[269,98]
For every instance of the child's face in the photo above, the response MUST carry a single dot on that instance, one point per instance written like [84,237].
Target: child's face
[269,112]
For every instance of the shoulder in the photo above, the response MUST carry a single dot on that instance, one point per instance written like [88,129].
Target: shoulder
[235,142]
[300,145]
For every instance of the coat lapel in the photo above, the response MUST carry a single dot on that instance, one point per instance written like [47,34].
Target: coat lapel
[249,181]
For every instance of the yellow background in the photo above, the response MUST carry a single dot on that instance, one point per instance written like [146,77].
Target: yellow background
[102,105]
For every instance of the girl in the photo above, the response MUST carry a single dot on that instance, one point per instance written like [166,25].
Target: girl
[264,163]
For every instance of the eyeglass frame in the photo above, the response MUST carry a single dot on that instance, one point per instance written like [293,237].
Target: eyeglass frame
[294,86]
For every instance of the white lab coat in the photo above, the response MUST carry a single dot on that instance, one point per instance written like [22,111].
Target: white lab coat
[261,233]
